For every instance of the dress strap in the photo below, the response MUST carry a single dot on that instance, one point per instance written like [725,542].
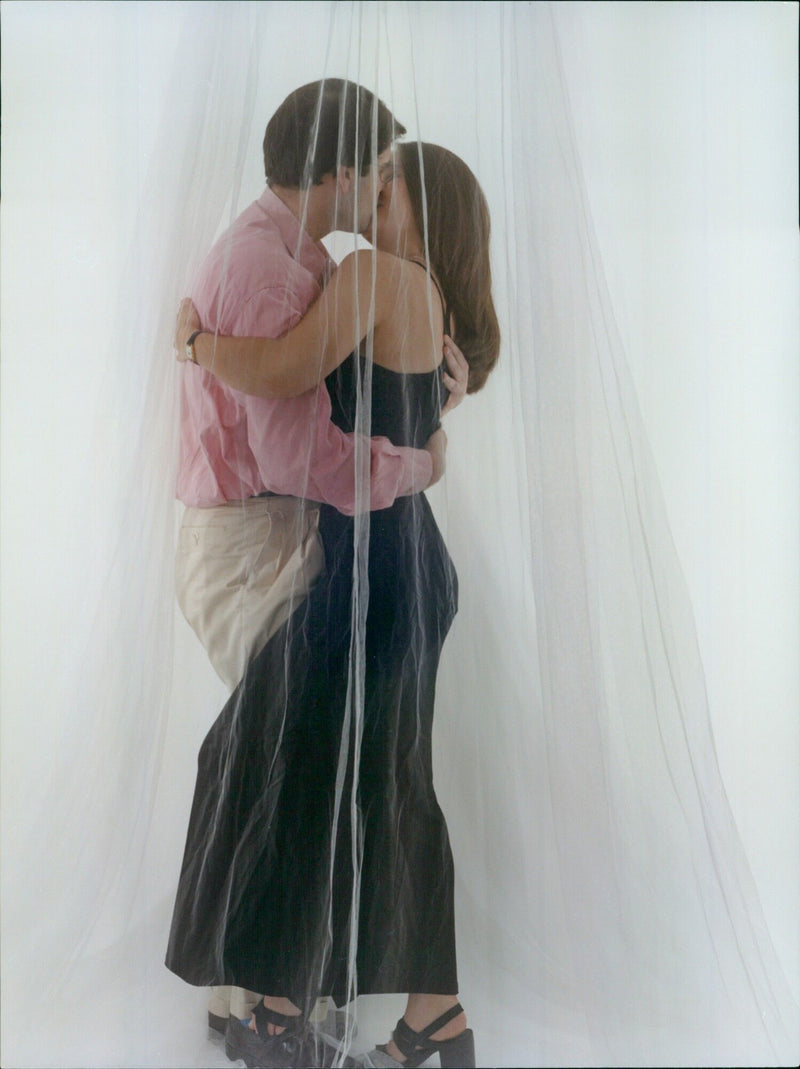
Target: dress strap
[439,290]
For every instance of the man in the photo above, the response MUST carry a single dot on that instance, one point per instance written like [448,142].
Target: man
[246,555]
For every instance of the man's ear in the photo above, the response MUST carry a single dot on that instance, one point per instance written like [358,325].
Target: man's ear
[344,179]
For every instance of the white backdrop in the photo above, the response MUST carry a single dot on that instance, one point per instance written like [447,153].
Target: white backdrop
[683,114]
[684,117]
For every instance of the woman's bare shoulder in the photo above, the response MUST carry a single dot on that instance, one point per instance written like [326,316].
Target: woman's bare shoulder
[380,278]
[373,262]
[400,292]
[368,268]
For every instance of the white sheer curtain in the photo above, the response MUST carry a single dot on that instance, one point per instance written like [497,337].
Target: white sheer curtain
[606,911]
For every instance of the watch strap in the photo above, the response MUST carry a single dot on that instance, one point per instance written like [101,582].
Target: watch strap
[190,353]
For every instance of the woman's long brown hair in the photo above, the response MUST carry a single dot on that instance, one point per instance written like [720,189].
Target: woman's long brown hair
[458,230]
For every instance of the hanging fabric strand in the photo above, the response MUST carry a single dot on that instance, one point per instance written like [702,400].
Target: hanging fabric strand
[429,716]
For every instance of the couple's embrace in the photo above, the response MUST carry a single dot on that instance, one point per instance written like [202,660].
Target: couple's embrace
[317,860]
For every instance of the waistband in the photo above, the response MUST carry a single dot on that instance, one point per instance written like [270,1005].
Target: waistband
[251,506]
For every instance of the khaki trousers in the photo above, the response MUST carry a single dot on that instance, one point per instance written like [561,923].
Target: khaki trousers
[240,571]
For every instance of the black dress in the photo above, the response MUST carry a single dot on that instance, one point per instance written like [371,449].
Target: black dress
[285,878]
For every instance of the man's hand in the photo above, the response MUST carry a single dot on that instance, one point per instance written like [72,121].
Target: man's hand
[436,445]
[456,381]
[186,324]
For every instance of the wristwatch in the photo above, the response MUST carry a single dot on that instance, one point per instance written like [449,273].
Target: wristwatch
[190,353]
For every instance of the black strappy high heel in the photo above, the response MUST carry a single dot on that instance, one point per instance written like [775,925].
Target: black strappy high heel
[417,1047]
[297,1046]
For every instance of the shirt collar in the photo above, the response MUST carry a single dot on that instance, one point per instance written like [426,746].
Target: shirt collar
[310,254]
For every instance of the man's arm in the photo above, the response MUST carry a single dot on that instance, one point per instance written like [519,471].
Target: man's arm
[300,452]
[289,361]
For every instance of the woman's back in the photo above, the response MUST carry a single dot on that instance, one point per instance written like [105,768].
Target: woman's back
[408,338]
[405,406]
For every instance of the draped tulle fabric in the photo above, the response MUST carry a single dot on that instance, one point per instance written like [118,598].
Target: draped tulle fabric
[317,860]
[605,911]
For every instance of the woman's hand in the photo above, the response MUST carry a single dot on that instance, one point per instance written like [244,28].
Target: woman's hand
[436,445]
[186,324]
[456,381]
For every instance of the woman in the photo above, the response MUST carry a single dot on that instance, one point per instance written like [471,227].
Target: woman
[317,856]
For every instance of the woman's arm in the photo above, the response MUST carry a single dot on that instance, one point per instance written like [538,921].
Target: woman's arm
[356,299]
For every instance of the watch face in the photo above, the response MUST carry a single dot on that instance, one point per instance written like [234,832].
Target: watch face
[190,354]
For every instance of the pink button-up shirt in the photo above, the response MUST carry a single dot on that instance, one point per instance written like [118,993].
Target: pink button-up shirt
[258,281]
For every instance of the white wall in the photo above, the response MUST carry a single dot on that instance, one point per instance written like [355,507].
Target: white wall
[686,120]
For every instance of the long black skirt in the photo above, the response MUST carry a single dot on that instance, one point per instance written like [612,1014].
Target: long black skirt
[317,858]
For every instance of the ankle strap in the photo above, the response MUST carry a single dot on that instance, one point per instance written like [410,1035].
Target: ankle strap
[265,1016]
[407,1040]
